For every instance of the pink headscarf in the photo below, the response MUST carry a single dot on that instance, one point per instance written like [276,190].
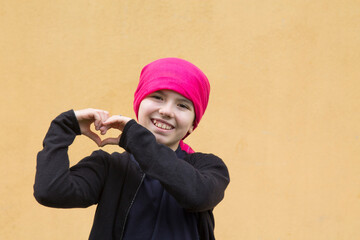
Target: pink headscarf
[177,75]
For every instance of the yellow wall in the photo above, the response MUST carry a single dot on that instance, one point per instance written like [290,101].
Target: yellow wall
[284,108]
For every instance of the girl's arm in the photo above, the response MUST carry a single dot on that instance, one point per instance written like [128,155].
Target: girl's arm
[57,185]
[198,183]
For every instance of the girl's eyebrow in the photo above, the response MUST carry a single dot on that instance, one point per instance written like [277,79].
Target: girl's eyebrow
[186,100]
[182,98]
[158,92]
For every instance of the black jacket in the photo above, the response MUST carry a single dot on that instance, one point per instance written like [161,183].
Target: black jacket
[198,182]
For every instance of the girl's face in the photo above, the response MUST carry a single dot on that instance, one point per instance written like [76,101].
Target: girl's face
[168,115]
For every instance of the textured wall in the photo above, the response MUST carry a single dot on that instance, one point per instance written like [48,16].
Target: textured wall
[284,109]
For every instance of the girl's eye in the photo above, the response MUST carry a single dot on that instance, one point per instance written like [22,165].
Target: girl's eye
[157,97]
[184,106]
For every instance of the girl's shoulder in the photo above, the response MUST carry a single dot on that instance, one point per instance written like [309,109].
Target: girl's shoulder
[199,158]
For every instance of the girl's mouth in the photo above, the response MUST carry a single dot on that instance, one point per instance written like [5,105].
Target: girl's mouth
[162,125]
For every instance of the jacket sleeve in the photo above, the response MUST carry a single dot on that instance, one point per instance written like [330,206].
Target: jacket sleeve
[57,185]
[198,184]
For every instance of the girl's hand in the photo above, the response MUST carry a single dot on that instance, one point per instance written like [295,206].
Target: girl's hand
[117,122]
[102,123]
[88,116]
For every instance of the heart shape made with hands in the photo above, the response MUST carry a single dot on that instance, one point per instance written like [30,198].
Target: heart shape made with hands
[108,137]
[103,125]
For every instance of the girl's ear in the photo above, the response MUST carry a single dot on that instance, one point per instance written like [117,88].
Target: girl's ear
[191,129]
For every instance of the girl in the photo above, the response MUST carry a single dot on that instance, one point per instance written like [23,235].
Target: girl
[159,188]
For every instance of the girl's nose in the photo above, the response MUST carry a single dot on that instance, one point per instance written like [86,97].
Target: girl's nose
[166,110]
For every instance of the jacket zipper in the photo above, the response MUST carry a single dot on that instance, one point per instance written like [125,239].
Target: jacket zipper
[132,202]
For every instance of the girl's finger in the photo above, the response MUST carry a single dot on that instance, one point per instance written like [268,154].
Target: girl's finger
[103,129]
[93,136]
[104,115]
[97,119]
[112,119]
[100,116]
[110,141]
[117,121]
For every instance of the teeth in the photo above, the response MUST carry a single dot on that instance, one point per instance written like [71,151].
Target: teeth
[161,125]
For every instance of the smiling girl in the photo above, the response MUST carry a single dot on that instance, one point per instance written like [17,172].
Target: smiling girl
[159,188]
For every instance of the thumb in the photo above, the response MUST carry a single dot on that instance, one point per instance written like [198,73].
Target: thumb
[93,136]
[110,141]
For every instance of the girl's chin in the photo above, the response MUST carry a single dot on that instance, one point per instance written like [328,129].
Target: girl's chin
[165,142]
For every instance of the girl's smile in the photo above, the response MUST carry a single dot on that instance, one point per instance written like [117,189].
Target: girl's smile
[168,115]
[162,124]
